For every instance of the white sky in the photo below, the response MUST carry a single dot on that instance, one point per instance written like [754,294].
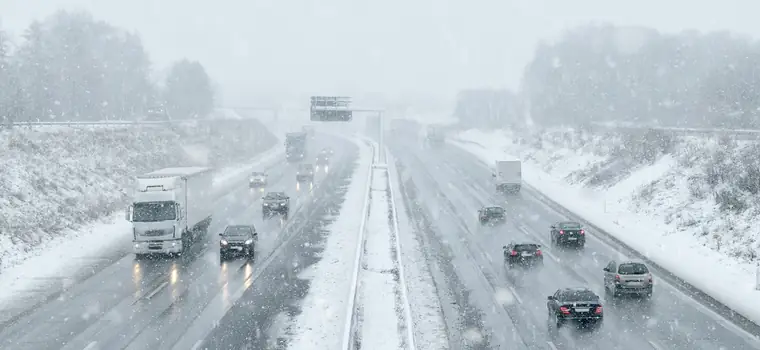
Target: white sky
[392,47]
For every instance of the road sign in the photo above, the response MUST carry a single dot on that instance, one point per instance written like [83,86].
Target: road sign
[331,109]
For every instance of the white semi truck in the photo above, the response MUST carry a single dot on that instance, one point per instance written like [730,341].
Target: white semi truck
[171,209]
[508,176]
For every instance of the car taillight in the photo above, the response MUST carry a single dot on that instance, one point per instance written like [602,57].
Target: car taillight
[562,232]
[583,232]
[564,310]
[538,252]
[513,253]
[651,280]
[617,278]
[598,310]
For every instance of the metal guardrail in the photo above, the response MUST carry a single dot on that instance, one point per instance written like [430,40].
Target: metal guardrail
[119,122]
[684,131]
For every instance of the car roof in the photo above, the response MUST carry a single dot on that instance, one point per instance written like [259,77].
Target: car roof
[569,223]
[276,194]
[239,226]
[634,262]
[492,207]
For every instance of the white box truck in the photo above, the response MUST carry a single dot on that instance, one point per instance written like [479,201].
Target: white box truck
[508,176]
[171,209]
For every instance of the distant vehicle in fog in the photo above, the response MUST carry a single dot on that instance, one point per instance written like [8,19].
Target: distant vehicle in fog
[492,215]
[257,180]
[507,175]
[305,172]
[275,203]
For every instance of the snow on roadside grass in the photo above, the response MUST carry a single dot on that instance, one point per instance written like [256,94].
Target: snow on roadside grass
[728,280]
[64,256]
[427,315]
[320,323]
[379,324]
[56,182]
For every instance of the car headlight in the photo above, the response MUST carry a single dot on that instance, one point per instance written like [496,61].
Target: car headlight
[223,242]
[249,241]
[266,204]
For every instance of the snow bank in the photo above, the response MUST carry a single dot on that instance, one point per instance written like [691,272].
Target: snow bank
[652,196]
[55,182]
[378,290]
[320,324]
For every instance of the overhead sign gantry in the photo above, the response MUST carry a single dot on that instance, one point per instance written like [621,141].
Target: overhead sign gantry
[331,109]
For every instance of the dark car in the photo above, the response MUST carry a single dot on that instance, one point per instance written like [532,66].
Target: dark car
[492,215]
[579,305]
[523,254]
[568,233]
[238,239]
[275,203]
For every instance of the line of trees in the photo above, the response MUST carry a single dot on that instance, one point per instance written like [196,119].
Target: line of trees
[70,66]
[602,73]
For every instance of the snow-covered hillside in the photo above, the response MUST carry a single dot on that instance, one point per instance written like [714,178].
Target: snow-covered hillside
[675,200]
[704,186]
[58,180]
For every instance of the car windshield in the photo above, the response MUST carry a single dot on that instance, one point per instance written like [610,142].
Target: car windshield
[274,196]
[154,211]
[632,269]
[578,295]
[237,231]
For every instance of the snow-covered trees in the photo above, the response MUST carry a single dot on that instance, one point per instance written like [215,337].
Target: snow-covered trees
[487,108]
[188,92]
[605,73]
[70,66]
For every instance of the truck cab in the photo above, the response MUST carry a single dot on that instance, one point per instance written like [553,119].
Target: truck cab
[169,208]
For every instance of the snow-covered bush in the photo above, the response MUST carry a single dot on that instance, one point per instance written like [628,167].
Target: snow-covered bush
[54,181]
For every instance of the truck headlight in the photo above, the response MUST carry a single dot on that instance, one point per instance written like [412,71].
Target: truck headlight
[223,242]
[249,241]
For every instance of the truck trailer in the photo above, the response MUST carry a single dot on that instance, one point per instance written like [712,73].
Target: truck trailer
[171,208]
[508,176]
[295,146]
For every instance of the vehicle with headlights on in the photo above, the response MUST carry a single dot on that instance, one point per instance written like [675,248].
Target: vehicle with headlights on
[257,180]
[238,239]
[275,203]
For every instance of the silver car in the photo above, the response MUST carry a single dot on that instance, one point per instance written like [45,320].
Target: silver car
[628,278]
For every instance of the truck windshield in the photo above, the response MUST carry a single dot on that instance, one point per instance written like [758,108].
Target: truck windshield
[154,211]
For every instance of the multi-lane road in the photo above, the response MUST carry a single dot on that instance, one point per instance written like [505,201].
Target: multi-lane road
[445,187]
[201,302]
[197,300]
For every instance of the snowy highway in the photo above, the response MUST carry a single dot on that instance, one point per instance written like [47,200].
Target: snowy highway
[198,300]
[495,308]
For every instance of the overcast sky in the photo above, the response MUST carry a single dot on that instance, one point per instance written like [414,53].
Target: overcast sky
[393,47]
